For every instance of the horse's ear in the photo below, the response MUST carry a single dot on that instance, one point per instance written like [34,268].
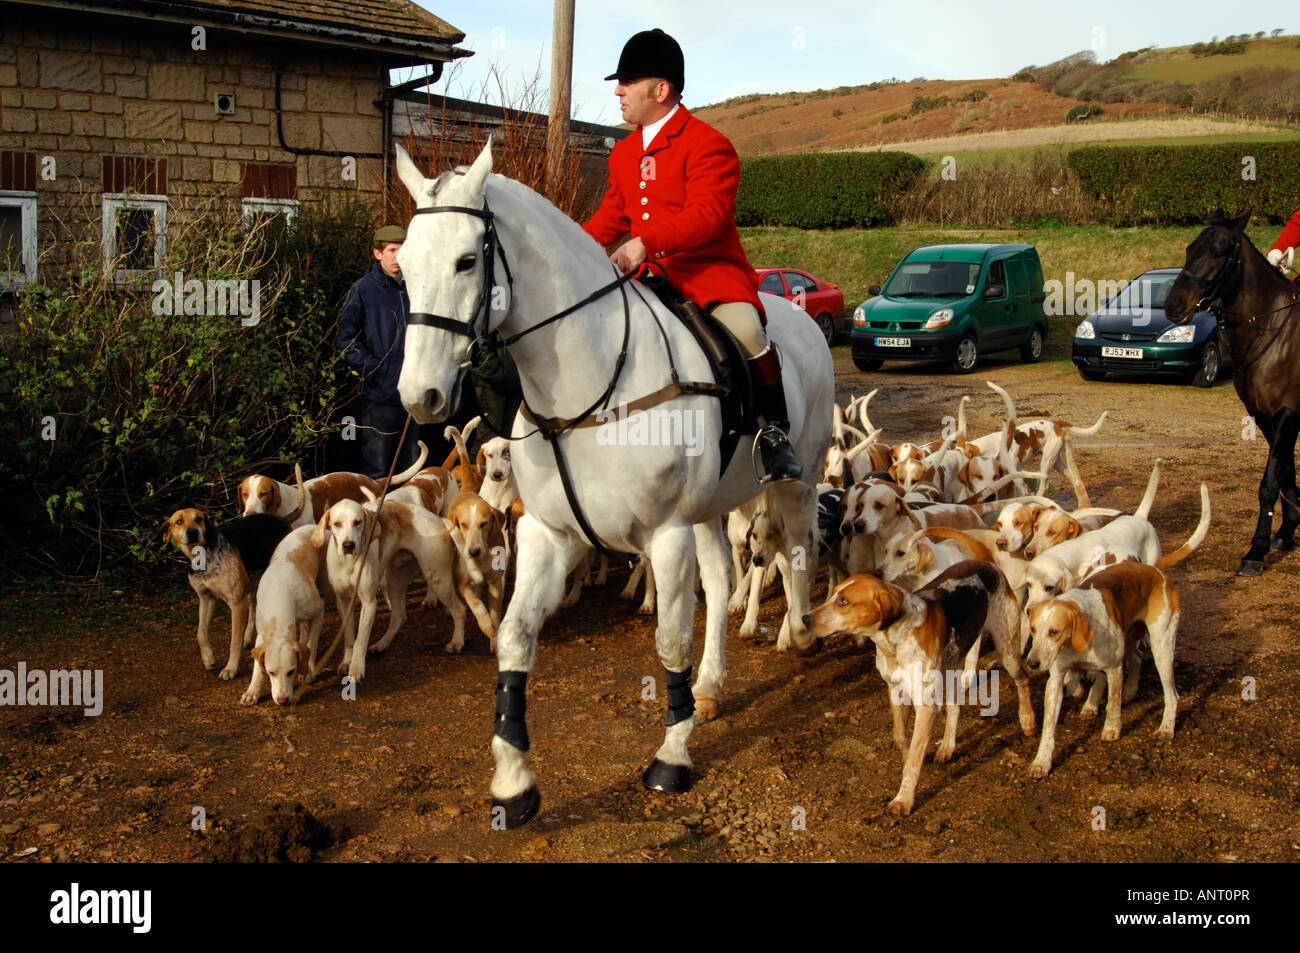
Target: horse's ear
[1217,217]
[1242,220]
[478,172]
[411,177]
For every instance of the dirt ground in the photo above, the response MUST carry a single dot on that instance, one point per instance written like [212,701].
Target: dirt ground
[799,765]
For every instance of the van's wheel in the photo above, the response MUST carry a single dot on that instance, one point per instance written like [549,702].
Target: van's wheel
[1207,375]
[827,324]
[966,356]
[1032,350]
[867,364]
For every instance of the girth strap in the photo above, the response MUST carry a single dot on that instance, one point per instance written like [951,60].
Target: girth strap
[662,395]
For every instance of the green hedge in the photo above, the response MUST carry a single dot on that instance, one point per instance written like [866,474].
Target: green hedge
[1181,185]
[823,190]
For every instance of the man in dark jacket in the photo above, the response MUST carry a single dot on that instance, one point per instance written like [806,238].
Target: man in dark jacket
[372,339]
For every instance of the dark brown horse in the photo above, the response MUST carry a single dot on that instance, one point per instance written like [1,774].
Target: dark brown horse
[1259,310]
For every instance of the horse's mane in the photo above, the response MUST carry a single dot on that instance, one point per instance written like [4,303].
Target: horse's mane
[575,238]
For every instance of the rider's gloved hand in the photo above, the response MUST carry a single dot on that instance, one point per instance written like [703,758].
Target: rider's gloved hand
[1274,257]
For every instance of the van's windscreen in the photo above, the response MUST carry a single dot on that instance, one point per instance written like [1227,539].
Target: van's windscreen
[934,279]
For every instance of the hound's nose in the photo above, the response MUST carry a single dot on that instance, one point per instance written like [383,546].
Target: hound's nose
[474,553]
[1030,552]
[1001,543]
[758,559]
[349,546]
[498,475]
[807,621]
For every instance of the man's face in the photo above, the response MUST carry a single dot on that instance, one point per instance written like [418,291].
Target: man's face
[387,258]
[641,100]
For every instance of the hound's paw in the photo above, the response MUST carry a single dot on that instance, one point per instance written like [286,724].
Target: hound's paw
[900,806]
[1130,693]
[1088,711]
[943,753]
[455,645]
[229,672]
[629,592]
[646,608]
[249,697]
[209,660]
[900,742]
[735,606]
[1165,734]
[1039,769]
[1028,724]
[357,671]
[1109,734]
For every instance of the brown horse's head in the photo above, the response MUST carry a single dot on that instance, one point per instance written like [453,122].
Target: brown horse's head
[1213,262]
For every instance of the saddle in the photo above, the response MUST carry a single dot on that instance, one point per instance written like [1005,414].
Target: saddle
[727,360]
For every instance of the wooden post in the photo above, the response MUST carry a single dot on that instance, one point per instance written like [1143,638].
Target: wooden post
[557,127]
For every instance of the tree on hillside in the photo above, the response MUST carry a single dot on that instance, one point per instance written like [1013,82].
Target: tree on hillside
[1277,32]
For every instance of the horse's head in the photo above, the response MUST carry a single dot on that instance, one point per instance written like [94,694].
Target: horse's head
[1213,262]
[455,280]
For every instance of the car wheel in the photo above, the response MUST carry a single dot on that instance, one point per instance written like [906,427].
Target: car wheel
[966,356]
[1207,375]
[1032,350]
[827,324]
[867,364]
[1088,375]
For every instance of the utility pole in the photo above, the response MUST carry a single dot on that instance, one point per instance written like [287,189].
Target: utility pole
[557,127]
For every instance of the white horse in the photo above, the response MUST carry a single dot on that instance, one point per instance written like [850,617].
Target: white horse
[508,273]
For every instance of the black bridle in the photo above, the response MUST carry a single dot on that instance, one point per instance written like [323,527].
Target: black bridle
[549,427]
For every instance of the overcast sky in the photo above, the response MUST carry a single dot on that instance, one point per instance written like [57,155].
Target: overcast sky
[733,47]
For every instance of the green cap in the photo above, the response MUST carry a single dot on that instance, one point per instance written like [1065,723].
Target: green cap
[390,233]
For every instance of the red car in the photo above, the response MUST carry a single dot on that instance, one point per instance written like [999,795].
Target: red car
[823,300]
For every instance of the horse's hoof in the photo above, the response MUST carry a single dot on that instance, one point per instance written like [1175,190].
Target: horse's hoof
[519,810]
[670,778]
[1250,567]
[1280,545]
[706,709]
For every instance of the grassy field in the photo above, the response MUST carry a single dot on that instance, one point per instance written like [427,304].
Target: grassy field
[1180,66]
[856,258]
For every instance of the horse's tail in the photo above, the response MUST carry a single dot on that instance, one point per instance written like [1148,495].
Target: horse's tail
[1194,542]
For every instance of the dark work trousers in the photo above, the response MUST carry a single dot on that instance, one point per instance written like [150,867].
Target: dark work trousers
[378,428]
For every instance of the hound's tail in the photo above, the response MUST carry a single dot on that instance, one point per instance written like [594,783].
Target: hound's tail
[1144,508]
[1197,537]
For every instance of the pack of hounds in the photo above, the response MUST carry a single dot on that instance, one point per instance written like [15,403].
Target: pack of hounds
[914,566]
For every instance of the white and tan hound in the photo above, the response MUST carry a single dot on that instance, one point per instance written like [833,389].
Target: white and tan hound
[1097,627]
[920,637]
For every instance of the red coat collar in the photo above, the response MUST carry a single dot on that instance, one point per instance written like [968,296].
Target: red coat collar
[672,127]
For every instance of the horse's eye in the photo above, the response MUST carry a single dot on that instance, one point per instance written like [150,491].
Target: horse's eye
[465,263]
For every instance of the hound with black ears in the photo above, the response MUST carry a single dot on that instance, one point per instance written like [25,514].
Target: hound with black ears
[919,637]
[1097,627]
[225,563]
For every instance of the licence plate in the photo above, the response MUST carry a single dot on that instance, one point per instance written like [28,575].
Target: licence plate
[1121,352]
[893,342]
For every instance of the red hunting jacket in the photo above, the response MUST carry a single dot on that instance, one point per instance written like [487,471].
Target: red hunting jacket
[679,198]
[1290,236]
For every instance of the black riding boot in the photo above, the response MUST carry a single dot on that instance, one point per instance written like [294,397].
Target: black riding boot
[769,400]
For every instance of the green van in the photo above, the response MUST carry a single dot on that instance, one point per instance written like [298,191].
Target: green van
[952,303]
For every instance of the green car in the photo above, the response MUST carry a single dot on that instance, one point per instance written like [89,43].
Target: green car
[952,303]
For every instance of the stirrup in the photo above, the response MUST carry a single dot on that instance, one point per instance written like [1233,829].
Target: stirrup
[778,460]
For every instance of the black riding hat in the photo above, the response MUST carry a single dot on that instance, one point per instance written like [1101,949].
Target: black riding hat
[651,53]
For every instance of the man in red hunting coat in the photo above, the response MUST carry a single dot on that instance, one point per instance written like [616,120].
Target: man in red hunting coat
[672,185]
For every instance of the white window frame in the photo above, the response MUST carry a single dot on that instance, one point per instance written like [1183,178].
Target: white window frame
[115,201]
[26,203]
[254,206]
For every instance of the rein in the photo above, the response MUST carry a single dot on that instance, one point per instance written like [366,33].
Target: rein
[550,428]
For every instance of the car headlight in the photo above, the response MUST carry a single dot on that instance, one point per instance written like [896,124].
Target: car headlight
[938,318]
[1178,334]
[1085,331]
[859,317]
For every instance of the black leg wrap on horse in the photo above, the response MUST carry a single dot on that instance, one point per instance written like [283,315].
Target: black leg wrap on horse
[509,725]
[681,702]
